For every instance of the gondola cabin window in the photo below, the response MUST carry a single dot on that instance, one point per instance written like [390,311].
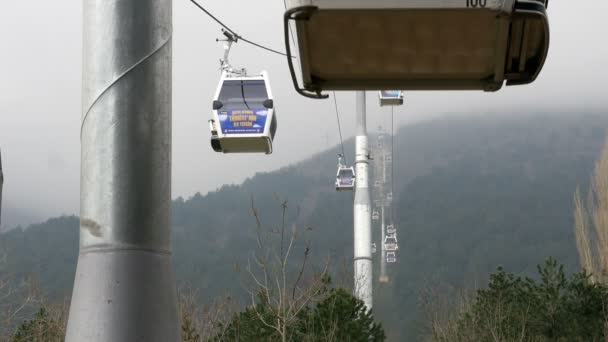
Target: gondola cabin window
[243,108]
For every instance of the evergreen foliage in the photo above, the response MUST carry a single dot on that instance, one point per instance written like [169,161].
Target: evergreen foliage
[553,307]
[342,317]
[339,316]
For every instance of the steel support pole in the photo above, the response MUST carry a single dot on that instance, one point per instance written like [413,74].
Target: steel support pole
[383,274]
[1,185]
[383,170]
[124,288]
[362,215]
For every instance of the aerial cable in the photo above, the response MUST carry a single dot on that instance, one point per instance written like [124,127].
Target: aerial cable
[289,27]
[236,35]
[293,40]
[339,127]
[393,158]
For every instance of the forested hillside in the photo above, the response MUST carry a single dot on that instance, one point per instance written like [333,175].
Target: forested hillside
[473,193]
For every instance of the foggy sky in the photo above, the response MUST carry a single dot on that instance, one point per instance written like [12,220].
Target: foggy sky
[40,99]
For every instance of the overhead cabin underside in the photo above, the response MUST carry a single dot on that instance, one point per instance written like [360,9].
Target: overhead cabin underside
[391,98]
[418,44]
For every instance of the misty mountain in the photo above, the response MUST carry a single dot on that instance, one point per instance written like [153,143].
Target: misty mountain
[471,194]
[13,217]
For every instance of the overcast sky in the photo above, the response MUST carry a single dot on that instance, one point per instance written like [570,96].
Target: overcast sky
[40,102]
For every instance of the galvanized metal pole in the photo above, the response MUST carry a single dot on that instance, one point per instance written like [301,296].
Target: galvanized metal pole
[1,185]
[362,216]
[383,275]
[383,170]
[124,288]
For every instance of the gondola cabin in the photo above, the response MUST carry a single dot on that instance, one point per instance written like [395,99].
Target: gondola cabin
[375,215]
[345,179]
[390,98]
[391,257]
[416,44]
[391,237]
[390,242]
[391,247]
[244,118]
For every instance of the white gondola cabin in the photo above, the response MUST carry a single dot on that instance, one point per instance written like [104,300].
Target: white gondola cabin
[390,97]
[375,215]
[390,238]
[390,242]
[390,229]
[416,44]
[391,257]
[391,247]
[345,179]
[244,117]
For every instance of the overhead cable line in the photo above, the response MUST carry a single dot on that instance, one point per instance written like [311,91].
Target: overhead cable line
[238,36]
[393,156]
[339,127]
[290,31]
[293,40]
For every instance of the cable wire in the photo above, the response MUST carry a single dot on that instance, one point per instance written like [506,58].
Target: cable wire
[393,157]
[290,30]
[339,128]
[293,40]
[238,36]
[263,47]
